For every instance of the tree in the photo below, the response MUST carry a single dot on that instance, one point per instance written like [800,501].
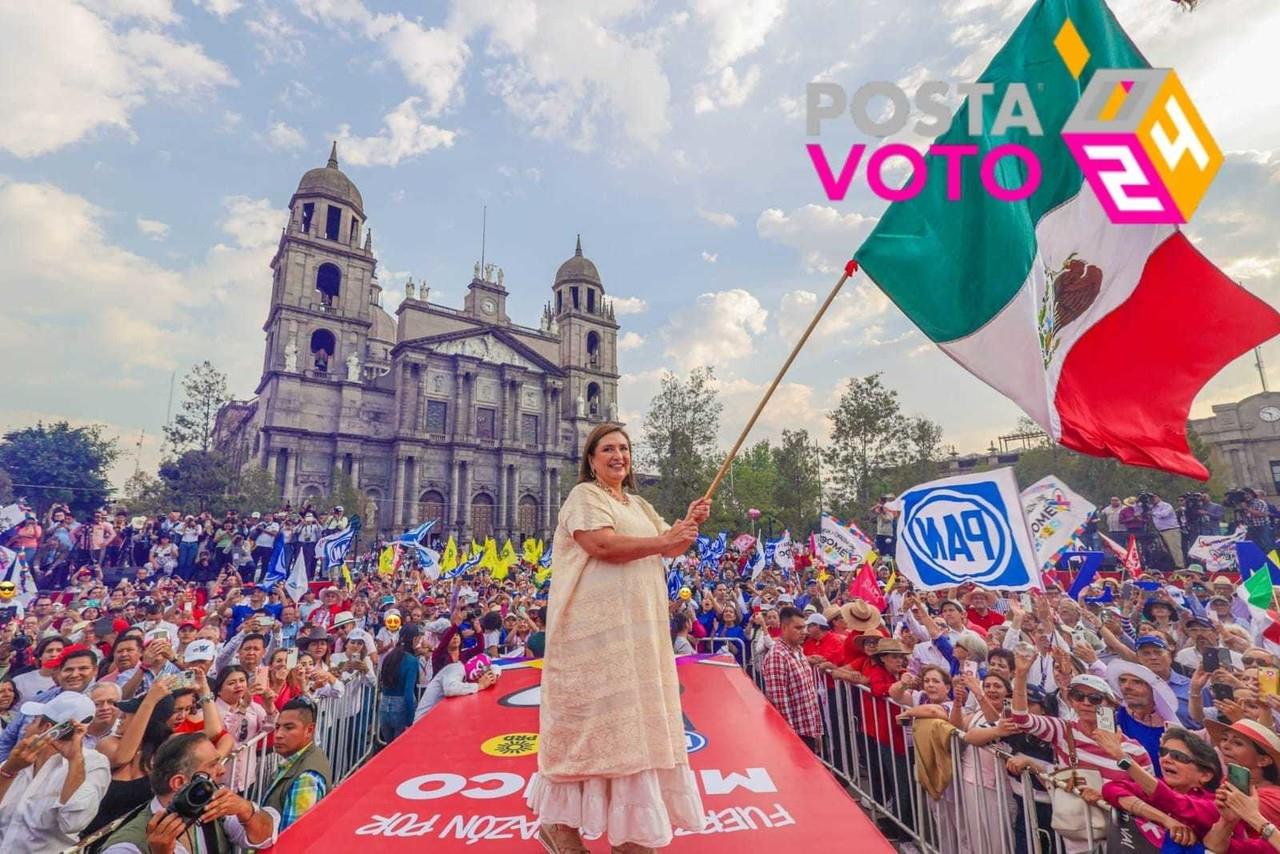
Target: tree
[798,489]
[197,481]
[145,494]
[6,487]
[256,489]
[752,481]
[60,463]
[204,392]
[680,431]
[344,494]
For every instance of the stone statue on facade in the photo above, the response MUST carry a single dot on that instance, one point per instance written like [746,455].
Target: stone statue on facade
[613,411]
[353,368]
[580,406]
[408,288]
[499,277]
[291,356]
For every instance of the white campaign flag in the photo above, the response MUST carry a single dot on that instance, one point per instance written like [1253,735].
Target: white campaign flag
[967,528]
[757,560]
[1055,517]
[296,584]
[784,555]
[841,544]
[1218,554]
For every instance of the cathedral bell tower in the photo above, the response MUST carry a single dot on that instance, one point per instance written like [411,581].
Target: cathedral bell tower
[588,344]
[324,290]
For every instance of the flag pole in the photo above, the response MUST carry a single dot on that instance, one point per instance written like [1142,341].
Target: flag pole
[849,270]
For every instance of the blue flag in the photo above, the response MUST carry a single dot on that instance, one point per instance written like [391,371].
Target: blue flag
[545,560]
[415,535]
[1251,559]
[1089,563]
[674,582]
[466,566]
[276,570]
[1107,596]
[333,548]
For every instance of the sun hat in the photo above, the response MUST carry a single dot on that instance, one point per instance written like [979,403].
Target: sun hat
[1263,737]
[1166,701]
[1097,683]
[861,616]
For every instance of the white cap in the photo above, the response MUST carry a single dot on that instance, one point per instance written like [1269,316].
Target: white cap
[67,706]
[199,650]
[817,620]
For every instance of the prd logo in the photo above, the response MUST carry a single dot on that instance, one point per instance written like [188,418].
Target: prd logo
[1138,139]
[959,533]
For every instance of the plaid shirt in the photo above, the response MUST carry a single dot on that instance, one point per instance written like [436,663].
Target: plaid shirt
[789,685]
[303,793]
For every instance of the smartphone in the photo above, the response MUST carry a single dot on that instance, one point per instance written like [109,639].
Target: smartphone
[155,634]
[1106,718]
[1221,691]
[1269,680]
[186,679]
[1211,660]
[970,668]
[58,732]
[292,659]
[1238,776]
[1024,602]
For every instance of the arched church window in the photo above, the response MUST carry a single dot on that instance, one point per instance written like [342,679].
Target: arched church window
[593,349]
[593,399]
[591,300]
[333,222]
[323,346]
[328,283]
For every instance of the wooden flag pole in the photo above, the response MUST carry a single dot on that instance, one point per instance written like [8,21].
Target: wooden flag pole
[849,270]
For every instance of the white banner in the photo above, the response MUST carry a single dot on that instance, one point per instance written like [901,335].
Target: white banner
[967,528]
[11,516]
[841,544]
[784,554]
[1055,517]
[1218,554]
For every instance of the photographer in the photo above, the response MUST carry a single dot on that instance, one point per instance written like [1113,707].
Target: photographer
[51,784]
[1166,523]
[188,813]
[885,520]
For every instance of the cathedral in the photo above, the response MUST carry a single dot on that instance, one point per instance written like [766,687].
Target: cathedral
[456,414]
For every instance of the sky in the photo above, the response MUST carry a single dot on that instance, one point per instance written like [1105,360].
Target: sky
[150,149]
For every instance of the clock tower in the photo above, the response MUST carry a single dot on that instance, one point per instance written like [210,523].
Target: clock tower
[486,297]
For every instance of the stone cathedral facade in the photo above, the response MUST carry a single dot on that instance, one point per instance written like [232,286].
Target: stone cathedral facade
[458,414]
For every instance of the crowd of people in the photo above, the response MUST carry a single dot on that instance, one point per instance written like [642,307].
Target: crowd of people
[153,652]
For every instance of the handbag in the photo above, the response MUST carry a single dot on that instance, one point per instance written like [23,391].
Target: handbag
[1072,816]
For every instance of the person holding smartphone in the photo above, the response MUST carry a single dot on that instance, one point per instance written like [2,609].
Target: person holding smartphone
[1248,818]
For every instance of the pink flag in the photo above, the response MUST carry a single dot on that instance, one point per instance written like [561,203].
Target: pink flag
[866,586]
[744,543]
[1132,561]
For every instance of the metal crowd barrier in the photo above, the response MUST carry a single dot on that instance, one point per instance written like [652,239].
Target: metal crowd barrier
[983,808]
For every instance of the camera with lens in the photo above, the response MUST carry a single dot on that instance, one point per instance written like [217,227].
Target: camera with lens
[1144,499]
[190,802]
[1234,498]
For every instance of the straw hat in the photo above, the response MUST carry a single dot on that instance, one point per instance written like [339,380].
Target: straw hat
[860,616]
[1265,739]
[891,646]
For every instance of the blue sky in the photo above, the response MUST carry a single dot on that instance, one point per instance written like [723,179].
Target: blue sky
[152,146]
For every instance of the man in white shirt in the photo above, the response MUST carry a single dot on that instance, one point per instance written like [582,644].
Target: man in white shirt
[1111,515]
[51,788]
[1165,518]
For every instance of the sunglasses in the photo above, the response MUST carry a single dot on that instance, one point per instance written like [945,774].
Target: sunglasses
[1253,661]
[1091,697]
[1178,756]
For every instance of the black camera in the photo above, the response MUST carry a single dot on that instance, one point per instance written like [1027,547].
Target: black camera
[190,802]
[1144,498]
[1234,498]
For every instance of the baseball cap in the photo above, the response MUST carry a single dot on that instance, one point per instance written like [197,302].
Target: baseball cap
[67,706]
[1151,640]
[817,620]
[199,650]
[188,624]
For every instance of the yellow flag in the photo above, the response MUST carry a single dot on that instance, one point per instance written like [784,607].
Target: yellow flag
[508,554]
[449,560]
[346,576]
[1274,557]
[823,575]
[871,558]
[489,560]
[476,547]
[893,579]
[531,551]
[387,561]
[540,577]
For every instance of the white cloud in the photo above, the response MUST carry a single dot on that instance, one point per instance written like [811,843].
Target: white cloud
[152,228]
[277,39]
[231,120]
[794,406]
[737,27]
[853,308]
[720,220]
[252,223]
[710,257]
[719,328]
[283,137]
[630,341]
[220,8]
[824,237]
[728,90]
[404,136]
[628,305]
[70,71]
[431,59]
[566,70]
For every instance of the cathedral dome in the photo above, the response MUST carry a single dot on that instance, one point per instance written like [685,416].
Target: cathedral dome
[384,327]
[330,181]
[578,269]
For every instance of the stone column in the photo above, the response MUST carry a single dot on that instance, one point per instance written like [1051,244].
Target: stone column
[451,503]
[397,491]
[545,500]
[464,495]
[355,470]
[290,473]
[420,419]
[513,497]
[469,380]
[456,405]
[272,453]
[500,509]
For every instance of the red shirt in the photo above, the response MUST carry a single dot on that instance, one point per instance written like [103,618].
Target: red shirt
[830,647]
[853,654]
[878,710]
[987,620]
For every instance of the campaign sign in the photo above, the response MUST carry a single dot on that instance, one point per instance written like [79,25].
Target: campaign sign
[456,780]
[967,528]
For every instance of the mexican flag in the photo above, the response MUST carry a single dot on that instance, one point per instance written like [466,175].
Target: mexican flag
[1102,333]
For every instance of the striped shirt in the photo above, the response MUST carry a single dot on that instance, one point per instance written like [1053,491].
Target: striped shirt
[789,685]
[1090,756]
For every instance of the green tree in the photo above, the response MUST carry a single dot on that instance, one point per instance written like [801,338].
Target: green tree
[344,494]
[256,489]
[798,489]
[145,494]
[60,463]
[204,392]
[680,431]
[6,487]
[199,480]
[752,481]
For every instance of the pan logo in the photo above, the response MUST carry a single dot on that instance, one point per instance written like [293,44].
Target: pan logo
[694,741]
[959,533]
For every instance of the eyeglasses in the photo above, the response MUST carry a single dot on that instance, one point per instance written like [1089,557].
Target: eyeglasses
[1254,661]
[1091,697]
[1178,756]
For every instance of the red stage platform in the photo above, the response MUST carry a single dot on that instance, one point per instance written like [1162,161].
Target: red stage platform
[456,780]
